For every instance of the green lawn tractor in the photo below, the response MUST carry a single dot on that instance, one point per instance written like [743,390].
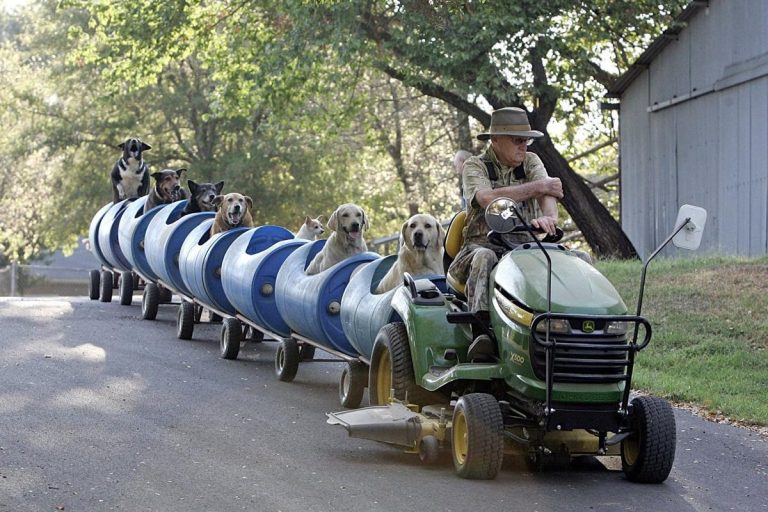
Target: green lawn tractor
[547,375]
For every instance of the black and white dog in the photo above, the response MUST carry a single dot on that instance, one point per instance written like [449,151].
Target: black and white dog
[130,175]
[201,196]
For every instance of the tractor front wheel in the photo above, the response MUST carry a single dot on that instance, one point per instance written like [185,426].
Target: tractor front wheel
[477,437]
[647,455]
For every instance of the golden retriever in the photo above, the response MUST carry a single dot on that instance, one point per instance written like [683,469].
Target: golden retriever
[421,251]
[311,229]
[233,211]
[347,225]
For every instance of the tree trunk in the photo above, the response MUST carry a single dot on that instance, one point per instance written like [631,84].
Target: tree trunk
[601,231]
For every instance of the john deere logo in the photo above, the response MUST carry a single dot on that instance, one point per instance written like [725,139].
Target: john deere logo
[588,326]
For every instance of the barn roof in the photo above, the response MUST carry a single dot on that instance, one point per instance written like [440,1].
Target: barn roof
[641,64]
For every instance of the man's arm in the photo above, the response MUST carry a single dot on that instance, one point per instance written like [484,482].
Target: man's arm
[545,187]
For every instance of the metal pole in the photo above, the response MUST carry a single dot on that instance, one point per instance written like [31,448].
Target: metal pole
[13,279]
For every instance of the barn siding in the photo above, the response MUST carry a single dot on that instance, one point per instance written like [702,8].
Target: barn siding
[694,129]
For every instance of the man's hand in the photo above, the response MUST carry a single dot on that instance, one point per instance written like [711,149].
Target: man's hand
[546,224]
[551,187]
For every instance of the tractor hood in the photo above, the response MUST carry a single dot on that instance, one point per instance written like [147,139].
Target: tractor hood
[577,287]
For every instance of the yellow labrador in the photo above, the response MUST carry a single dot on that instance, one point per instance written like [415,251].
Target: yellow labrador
[421,251]
[347,225]
[234,211]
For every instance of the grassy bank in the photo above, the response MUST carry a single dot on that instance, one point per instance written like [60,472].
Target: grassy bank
[710,321]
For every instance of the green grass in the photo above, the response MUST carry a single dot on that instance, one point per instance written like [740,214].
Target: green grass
[710,331]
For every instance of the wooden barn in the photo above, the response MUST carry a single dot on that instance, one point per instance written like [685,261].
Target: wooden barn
[694,128]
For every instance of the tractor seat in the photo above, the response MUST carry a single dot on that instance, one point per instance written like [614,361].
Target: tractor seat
[454,239]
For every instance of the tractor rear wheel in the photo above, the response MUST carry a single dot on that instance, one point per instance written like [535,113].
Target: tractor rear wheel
[477,437]
[392,369]
[647,455]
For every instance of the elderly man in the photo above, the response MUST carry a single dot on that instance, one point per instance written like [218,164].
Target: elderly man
[506,169]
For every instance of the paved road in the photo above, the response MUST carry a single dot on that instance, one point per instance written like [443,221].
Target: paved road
[100,410]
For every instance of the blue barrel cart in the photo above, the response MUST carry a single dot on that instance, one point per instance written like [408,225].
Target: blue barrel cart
[201,264]
[103,242]
[163,238]
[311,306]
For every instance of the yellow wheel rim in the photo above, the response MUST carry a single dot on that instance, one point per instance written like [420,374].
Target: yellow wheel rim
[384,377]
[460,437]
[631,447]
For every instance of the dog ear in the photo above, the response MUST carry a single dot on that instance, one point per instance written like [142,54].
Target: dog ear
[121,145]
[333,221]
[179,171]
[440,233]
[219,187]
[319,218]
[145,146]
[156,175]
[217,200]
[403,238]
[365,219]
[249,202]
[192,186]
[307,220]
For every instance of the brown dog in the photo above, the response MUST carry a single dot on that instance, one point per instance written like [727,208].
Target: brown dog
[421,251]
[167,188]
[347,225]
[233,211]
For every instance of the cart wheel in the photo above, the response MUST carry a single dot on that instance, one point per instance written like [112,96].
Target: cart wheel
[231,336]
[149,301]
[477,437]
[105,294]
[648,454]
[166,295]
[255,335]
[354,379]
[126,288]
[94,283]
[429,450]
[287,359]
[185,320]
[307,353]
[198,313]
[392,368]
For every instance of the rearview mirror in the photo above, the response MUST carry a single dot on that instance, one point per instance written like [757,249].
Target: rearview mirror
[501,215]
[694,218]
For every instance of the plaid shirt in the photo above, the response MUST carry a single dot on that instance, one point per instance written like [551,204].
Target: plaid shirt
[475,178]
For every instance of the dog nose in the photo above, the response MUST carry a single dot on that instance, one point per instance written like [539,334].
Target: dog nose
[236,208]
[355,226]
[418,236]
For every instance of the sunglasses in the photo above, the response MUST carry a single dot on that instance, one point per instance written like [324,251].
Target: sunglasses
[518,141]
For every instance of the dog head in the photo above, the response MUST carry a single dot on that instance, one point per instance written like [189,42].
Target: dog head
[314,226]
[168,184]
[422,232]
[349,222]
[204,193]
[233,207]
[132,149]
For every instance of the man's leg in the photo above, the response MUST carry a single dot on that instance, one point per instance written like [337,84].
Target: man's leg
[473,266]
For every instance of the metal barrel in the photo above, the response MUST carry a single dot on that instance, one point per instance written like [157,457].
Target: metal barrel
[109,244]
[310,305]
[137,231]
[93,233]
[249,271]
[200,264]
[163,240]
[126,227]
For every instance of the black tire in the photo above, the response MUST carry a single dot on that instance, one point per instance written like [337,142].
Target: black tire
[126,288]
[105,294]
[429,450]
[150,300]
[307,353]
[647,456]
[166,295]
[253,335]
[198,313]
[392,368]
[94,283]
[231,336]
[185,320]
[287,360]
[354,379]
[477,437]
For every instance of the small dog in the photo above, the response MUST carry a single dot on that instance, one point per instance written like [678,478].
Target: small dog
[201,197]
[234,211]
[347,223]
[167,188]
[421,251]
[311,229]
[130,175]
